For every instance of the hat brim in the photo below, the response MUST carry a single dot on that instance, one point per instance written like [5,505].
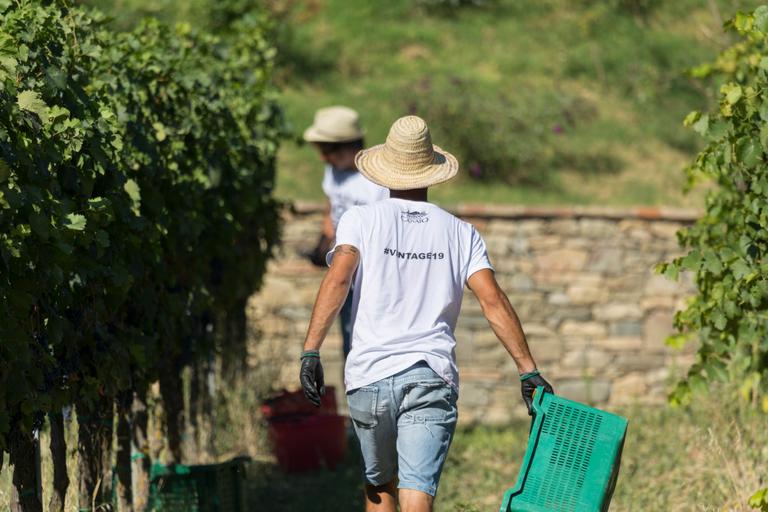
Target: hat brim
[312,134]
[371,163]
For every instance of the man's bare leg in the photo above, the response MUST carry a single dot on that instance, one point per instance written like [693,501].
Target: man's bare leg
[381,498]
[412,500]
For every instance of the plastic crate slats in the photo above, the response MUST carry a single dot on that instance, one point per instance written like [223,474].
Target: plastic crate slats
[571,461]
[201,488]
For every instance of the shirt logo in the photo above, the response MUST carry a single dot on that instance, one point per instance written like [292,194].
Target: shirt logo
[414,217]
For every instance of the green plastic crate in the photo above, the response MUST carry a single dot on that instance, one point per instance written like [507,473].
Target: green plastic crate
[572,460]
[199,488]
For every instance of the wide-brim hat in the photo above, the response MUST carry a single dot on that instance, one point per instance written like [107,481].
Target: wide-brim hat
[407,160]
[334,124]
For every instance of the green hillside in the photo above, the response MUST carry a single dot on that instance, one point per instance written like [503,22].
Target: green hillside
[545,101]
[597,89]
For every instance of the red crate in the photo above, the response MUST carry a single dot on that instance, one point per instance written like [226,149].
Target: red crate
[305,437]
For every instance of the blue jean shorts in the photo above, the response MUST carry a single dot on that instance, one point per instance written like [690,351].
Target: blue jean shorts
[405,425]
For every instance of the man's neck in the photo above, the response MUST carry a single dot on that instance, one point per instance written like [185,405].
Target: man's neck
[419,194]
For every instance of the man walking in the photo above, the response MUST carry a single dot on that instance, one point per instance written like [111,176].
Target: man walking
[410,261]
[338,137]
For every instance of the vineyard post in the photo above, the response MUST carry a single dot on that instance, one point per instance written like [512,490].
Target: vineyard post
[22,451]
[140,449]
[58,447]
[123,459]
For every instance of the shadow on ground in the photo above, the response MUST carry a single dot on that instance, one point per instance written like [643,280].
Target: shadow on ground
[332,490]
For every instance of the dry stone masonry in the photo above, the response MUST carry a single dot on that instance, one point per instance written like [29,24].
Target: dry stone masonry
[581,279]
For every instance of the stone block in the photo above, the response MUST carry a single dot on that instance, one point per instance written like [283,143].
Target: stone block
[493,358]
[626,282]
[588,391]
[536,331]
[617,311]
[665,230]
[619,343]
[607,261]
[630,388]
[587,330]
[566,227]
[587,358]
[658,302]
[586,289]
[558,299]
[479,374]
[659,285]
[503,227]
[598,228]
[545,350]
[657,327]
[561,259]
[626,328]
[639,361]
[544,242]
[532,226]
[519,245]
[484,340]
[519,282]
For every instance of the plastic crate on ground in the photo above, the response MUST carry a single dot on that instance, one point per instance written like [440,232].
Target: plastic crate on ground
[572,460]
[199,488]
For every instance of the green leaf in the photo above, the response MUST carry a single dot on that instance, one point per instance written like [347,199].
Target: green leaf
[702,125]
[712,263]
[750,152]
[671,272]
[732,92]
[41,225]
[160,134]
[76,222]
[5,171]
[132,189]
[676,342]
[740,269]
[102,238]
[719,320]
[691,118]
[761,18]
[31,102]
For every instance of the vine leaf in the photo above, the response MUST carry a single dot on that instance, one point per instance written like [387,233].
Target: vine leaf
[31,102]
[76,222]
[5,171]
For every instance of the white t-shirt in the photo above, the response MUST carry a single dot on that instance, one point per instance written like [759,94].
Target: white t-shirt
[349,188]
[415,259]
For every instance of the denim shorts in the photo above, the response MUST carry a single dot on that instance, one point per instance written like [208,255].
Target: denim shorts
[405,425]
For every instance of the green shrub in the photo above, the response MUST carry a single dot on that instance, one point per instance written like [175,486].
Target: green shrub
[136,209]
[516,136]
[728,245]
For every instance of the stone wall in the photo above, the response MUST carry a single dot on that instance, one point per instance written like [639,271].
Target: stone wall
[581,280]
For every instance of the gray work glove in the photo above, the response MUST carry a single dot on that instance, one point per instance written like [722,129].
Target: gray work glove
[311,376]
[528,384]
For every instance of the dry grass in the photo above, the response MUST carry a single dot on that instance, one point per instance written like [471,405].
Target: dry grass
[710,457]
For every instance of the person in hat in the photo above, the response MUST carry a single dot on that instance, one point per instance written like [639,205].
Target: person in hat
[338,137]
[410,261]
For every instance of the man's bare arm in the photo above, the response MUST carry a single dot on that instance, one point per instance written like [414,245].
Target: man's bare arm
[333,292]
[502,318]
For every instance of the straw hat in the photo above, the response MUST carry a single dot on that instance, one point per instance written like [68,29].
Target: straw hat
[408,159]
[334,124]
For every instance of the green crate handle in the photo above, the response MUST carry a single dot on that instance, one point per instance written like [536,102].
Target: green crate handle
[538,414]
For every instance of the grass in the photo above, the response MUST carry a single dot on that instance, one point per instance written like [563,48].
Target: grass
[626,71]
[711,456]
